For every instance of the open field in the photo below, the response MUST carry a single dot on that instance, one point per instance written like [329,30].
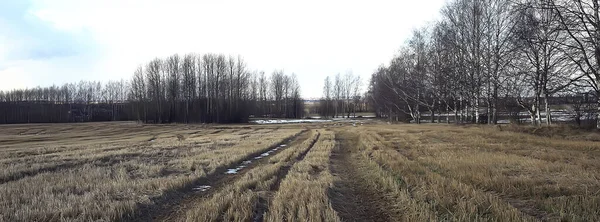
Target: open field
[295,172]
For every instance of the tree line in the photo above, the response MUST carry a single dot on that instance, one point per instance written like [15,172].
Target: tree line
[209,88]
[341,96]
[484,59]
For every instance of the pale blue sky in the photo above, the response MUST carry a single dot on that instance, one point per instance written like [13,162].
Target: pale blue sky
[44,42]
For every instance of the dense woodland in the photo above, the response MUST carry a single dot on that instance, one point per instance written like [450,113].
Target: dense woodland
[207,88]
[485,59]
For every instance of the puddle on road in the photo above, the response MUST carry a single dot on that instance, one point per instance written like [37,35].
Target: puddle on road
[202,188]
[247,162]
[232,171]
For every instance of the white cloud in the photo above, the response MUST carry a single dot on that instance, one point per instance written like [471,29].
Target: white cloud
[14,78]
[310,38]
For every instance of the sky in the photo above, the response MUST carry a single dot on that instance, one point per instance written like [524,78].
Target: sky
[45,42]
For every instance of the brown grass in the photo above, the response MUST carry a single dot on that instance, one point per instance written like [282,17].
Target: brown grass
[563,131]
[105,171]
[474,173]
[98,179]
[302,195]
[237,201]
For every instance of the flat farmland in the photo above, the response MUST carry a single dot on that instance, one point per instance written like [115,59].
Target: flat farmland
[335,171]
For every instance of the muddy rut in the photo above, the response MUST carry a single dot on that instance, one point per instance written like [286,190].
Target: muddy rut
[173,204]
[351,196]
[265,198]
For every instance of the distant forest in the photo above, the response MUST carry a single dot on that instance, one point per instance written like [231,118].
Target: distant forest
[210,88]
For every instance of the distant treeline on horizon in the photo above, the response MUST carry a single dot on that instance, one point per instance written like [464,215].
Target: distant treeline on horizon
[210,88]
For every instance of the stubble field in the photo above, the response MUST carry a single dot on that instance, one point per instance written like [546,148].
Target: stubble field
[295,172]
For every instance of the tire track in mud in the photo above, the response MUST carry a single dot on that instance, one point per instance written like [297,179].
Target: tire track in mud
[351,196]
[265,199]
[174,203]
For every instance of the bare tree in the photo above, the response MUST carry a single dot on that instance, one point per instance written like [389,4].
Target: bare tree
[580,19]
[326,100]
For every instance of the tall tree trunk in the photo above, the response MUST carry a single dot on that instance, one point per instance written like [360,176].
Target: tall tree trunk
[477,108]
[597,56]
[547,108]
[495,111]
[598,108]
[419,116]
[489,111]
[456,118]
[447,114]
[538,111]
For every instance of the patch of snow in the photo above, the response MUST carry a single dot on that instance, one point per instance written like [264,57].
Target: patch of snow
[563,118]
[201,188]
[282,145]
[503,121]
[247,162]
[288,121]
[232,171]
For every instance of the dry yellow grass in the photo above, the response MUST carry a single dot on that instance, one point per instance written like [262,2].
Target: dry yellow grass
[237,201]
[302,195]
[99,179]
[475,173]
[102,171]
[378,189]
[447,198]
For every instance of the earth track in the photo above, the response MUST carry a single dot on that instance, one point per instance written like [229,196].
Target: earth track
[265,198]
[173,203]
[351,196]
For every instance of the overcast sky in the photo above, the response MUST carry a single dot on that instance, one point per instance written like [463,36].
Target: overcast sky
[44,42]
